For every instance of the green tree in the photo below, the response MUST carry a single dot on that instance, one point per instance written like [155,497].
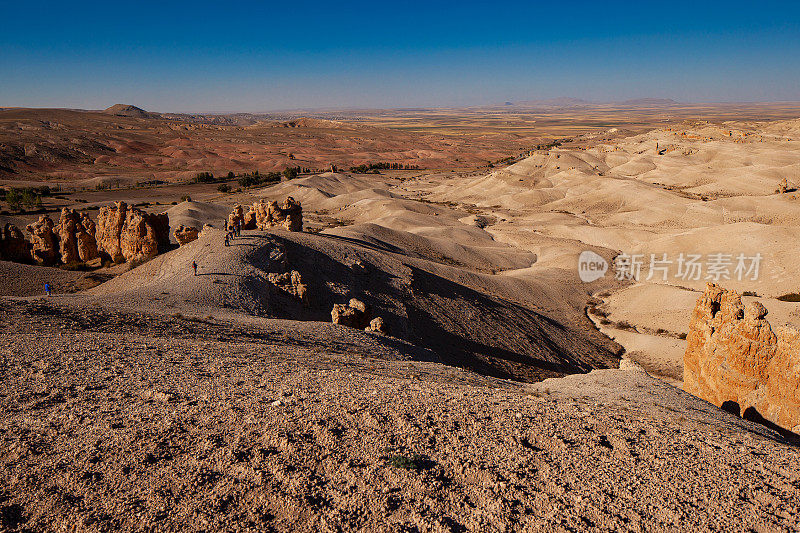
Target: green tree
[28,198]
[14,199]
[290,173]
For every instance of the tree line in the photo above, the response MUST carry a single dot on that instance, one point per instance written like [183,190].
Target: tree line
[29,197]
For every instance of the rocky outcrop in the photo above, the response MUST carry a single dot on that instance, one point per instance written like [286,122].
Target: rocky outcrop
[45,241]
[355,314]
[250,220]
[783,186]
[13,245]
[110,222]
[185,234]
[76,237]
[289,282]
[735,360]
[377,325]
[263,215]
[130,234]
[236,216]
[87,239]
[289,215]
[144,235]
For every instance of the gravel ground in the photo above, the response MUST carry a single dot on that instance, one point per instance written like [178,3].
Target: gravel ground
[126,421]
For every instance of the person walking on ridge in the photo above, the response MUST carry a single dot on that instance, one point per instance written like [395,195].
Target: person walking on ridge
[47,289]
[194,267]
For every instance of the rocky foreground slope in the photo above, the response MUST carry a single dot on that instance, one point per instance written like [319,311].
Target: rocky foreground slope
[119,420]
[735,360]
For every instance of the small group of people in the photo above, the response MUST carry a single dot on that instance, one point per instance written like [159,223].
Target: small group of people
[231,232]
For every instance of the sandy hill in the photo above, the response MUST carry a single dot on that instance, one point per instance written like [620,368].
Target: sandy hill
[125,110]
[700,189]
[206,425]
[305,122]
[422,302]
[164,400]
[196,214]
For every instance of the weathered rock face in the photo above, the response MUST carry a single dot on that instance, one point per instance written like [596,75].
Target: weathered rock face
[377,325]
[270,215]
[87,239]
[733,355]
[783,186]
[13,245]
[250,220]
[236,216]
[355,314]
[76,237]
[45,241]
[259,213]
[125,234]
[185,234]
[144,235]
[289,282]
[110,221]
[289,215]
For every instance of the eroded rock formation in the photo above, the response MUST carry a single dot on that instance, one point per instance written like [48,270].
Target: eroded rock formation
[13,245]
[289,215]
[130,234]
[263,215]
[87,239]
[289,282]
[45,241]
[734,359]
[76,237]
[783,186]
[355,314]
[236,216]
[185,234]
[377,325]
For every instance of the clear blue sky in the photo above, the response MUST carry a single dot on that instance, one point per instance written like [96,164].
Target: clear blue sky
[234,55]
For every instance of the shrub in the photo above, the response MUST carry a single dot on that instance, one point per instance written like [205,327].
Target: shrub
[415,462]
[224,188]
[204,177]
[14,199]
[248,181]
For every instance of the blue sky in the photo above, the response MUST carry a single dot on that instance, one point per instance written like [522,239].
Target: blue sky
[257,56]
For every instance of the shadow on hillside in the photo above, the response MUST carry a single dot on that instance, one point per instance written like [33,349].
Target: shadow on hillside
[752,414]
[464,327]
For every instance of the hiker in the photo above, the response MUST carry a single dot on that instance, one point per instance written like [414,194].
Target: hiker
[227,239]
[194,267]
[47,289]
[225,221]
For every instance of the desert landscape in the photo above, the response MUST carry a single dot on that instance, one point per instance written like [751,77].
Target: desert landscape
[386,320]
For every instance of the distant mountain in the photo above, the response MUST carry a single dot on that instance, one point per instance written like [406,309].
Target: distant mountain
[568,103]
[126,110]
[563,101]
[305,122]
[651,102]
